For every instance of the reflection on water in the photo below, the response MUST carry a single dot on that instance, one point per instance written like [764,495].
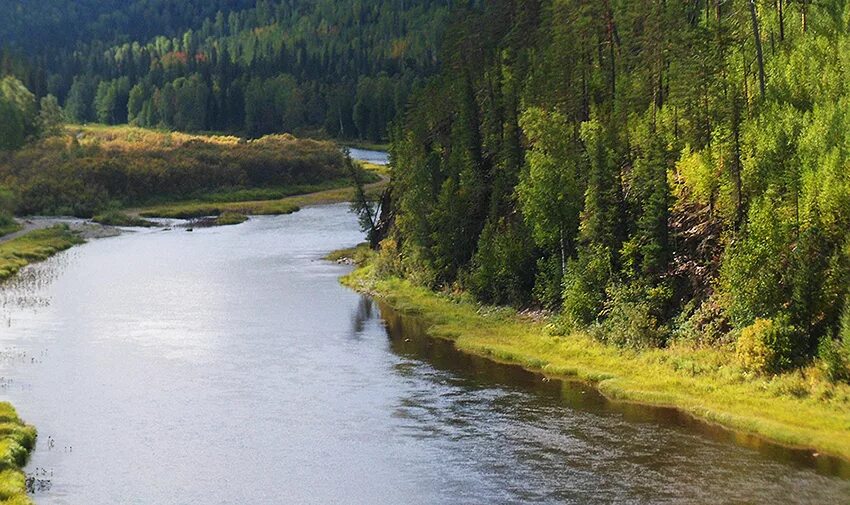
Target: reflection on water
[228,366]
[376,157]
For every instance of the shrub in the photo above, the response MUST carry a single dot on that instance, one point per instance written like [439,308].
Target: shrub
[388,262]
[833,359]
[766,345]
[585,282]
[503,268]
[844,325]
[634,314]
[706,326]
[549,282]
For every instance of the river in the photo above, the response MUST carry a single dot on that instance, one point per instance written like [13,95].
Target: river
[228,365]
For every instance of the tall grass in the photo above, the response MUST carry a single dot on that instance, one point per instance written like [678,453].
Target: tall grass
[35,246]
[17,441]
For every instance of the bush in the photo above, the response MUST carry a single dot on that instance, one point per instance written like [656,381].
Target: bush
[585,282]
[833,359]
[549,282]
[766,345]
[753,275]
[388,261]
[634,313]
[708,325]
[503,266]
[844,325]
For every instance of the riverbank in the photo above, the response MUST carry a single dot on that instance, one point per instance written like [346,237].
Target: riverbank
[799,409]
[321,194]
[17,440]
[36,245]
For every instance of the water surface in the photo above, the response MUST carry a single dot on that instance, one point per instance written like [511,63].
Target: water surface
[228,365]
[376,157]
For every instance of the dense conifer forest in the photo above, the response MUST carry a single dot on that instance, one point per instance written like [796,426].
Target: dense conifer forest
[344,68]
[654,172]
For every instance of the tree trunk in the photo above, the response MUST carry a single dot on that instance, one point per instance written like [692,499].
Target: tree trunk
[781,20]
[759,54]
[736,163]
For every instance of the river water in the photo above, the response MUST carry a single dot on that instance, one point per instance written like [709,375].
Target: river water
[228,366]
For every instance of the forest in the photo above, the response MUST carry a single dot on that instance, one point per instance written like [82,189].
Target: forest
[338,68]
[653,173]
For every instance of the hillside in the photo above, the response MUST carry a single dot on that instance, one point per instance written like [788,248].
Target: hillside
[343,68]
[657,174]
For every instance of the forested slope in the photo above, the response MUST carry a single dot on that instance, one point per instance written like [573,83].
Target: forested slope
[345,67]
[655,172]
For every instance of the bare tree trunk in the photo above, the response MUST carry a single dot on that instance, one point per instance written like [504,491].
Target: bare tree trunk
[563,254]
[759,54]
[736,163]
[804,14]
[781,20]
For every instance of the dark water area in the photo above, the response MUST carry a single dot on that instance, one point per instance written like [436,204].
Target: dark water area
[228,365]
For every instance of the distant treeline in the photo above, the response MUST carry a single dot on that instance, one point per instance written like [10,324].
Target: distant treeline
[345,67]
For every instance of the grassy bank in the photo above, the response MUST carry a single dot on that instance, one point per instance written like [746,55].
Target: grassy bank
[35,246]
[8,227]
[270,202]
[799,409]
[17,441]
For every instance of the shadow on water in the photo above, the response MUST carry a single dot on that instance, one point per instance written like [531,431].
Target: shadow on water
[408,338]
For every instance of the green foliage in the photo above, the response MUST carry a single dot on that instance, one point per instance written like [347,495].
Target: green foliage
[844,325]
[646,252]
[834,359]
[7,208]
[634,316]
[90,170]
[34,246]
[17,441]
[17,114]
[585,285]
[551,187]
[346,67]
[110,101]
[754,272]
[707,326]
[502,270]
[50,117]
[766,346]
[230,218]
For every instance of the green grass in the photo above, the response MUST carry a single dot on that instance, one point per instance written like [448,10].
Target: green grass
[230,218]
[191,210]
[118,218]
[8,227]
[35,246]
[366,145]
[301,196]
[357,255]
[17,441]
[799,409]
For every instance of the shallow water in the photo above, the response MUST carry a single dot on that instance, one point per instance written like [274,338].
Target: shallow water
[228,365]
[376,157]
